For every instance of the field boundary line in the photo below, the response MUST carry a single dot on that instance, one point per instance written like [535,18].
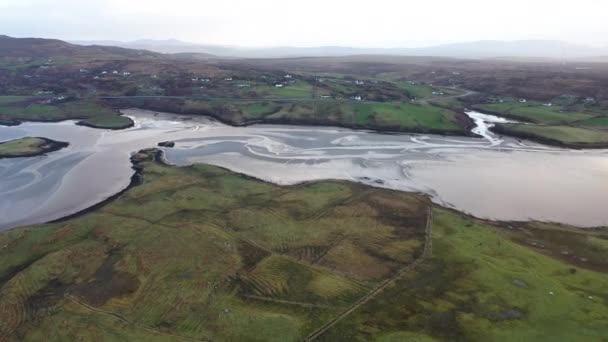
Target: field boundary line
[426,252]
[124,320]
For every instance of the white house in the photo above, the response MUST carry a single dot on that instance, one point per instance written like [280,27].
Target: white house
[288,76]
[279,85]
[228,79]
[523,100]
[357,82]
[126,73]
[548,104]
[358,98]
[115,72]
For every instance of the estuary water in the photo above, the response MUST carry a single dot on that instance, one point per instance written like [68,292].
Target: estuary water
[490,177]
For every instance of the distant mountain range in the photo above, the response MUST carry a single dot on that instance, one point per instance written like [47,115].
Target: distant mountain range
[155,48]
[39,47]
[480,49]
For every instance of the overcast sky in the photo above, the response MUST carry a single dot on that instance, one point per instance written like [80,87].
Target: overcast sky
[371,23]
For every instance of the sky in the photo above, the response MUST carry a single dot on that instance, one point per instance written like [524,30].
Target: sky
[371,23]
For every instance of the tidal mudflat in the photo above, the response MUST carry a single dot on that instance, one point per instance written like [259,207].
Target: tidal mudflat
[490,177]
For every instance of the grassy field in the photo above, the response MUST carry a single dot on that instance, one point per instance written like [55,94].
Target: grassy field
[551,125]
[598,122]
[486,283]
[387,116]
[28,146]
[566,135]
[534,112]
[204,253]
[90,112]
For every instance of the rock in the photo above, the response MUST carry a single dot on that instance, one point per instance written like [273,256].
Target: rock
[520,283]
[510,314]
[166,144]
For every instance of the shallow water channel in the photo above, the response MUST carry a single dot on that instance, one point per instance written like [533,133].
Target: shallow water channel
[490,177]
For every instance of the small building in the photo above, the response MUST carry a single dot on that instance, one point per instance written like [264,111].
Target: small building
[115,72]
[548,104]
[358,98]
[590,99]
[104,72]
[358,82]
[437,93]
[288,76]
[278,85]
[523,100]
[126,73]
[228,79]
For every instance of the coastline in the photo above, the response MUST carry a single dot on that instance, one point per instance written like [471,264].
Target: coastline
[49,147]
[499,129]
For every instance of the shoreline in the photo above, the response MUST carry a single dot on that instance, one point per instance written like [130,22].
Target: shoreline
[157,156]
[461,118]
[498,129]
[79,122]
[501,130]
[49,147]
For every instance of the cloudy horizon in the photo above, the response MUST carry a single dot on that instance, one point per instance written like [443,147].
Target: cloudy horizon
[266,23]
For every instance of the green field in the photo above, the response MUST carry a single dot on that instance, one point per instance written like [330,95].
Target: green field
[598,122]
[485,283]
[25,147]
[387,116]
[202,253]
[208,254]
[534,112]
[568,135]
[35,109]
[298,90]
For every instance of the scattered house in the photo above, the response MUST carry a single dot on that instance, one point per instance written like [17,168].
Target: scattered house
[455,73]
[126,73]
[228,79]
[43,67]
[242,85]
[358,98]
[104,72]
[523,100]
[357,82]
[501,100]
[279,85]
[411,83]
[205,80]
[154,76]
[548,104]
[96,77]
[115,72]
[325,97]
[288,76]
[194,79]
[437,93]
[83,70]
[590,99]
